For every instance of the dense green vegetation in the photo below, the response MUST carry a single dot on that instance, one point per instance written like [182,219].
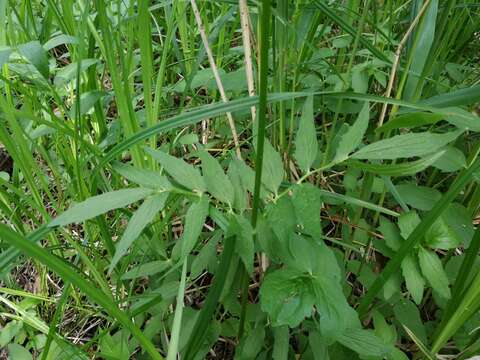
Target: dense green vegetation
[239,179]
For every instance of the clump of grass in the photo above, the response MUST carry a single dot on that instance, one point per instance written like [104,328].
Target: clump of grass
[162,209]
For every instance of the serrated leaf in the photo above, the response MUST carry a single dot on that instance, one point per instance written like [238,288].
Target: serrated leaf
[413,278]
[363,342]
[352,138]
[282,220]
[306,144]
[272,168]
[182,172]
[407,222]
[36,55]
[390,233]
[441,236]
[433,271]
[140,219]
[216,181]
[100,204]
[398,169]
[405,146]
[286,296]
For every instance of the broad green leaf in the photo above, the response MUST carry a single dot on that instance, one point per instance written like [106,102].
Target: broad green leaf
[18,352]
[58,40]
[87,101]
[433,271]
[147,269]
[363,342]
[418,197]
[216,181]
[69,72]
[306,145]
[413,278]
[384,331]
[441,235]
[463,119]
[451,160]
[241,227]
[272,169]
[205,257]
[9,331]
[307,202]
[423,348]
[411,120]
[407,314]
[194,221]
[143,177]
[401,169]
[286,296]
[281,343]
[36,55]
[100,204]
[140,219]
[183,173]
[390,233]
[352,138]
[407,145]
[319,346]
[251,344]
[407,222]
[282,220]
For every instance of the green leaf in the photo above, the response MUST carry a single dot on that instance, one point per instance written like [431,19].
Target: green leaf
[407,222]
[390,233]
[451,160]
[36,55]
[69,274]
[306,145]
[9,331]
[216,181]
[318,345]
[406,313]
[363,342]
[140,219]
[282,220]
[272,168]
[286,296]
[205,257]
[281,343]
[442,236]
[69,72]
[398,169]
[100,204]
[147,269]
[241,227]
[404,146]
[18,352]
[143,177]
[352,138]
[433,271]
[252,344]
[411,120]
[418,197]
[182,172]
[194,221]
[307,202]
[413,278]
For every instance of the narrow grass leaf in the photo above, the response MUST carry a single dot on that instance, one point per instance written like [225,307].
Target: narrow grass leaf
[177,319]
[140,219]
[411,120]
[100,204]
[67,273]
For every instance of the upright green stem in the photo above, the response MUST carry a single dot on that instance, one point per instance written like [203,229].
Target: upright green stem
[262,111]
